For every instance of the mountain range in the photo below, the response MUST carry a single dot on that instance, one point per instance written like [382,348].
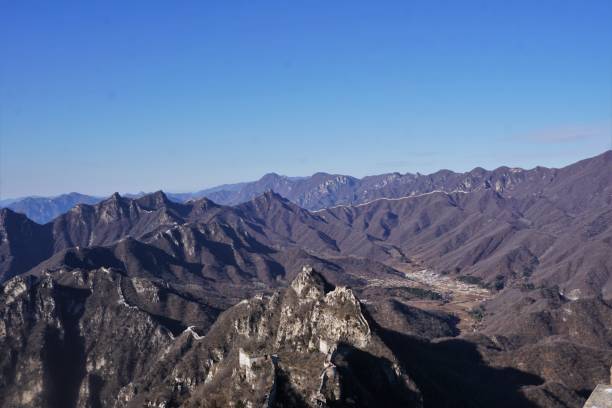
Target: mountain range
[321,190]
[486,288]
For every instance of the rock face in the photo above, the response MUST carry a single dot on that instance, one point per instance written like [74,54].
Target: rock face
[84,340]
[278,350]
[600,398]
[73,345]
[23,244]
[323,319]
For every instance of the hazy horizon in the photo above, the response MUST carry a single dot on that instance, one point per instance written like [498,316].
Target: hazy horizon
[195,189]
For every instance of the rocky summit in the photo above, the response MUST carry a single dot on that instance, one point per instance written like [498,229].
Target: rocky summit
[82,340]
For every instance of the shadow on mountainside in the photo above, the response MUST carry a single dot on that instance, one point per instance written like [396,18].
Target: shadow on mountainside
[452,373]
[63,354]
[286,395]
[367,380]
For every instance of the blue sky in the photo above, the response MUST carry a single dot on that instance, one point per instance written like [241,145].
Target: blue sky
[122,96]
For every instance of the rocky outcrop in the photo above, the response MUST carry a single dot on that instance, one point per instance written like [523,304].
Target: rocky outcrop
[297,347]
[72,342]
[315,319]
[89,339]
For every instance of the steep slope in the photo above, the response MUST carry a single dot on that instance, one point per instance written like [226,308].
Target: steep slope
[567,341]
[515,226]
[483,237]
[112,219]
[23,243]
[72,342]
[26,243]
[85,339]
[305,346]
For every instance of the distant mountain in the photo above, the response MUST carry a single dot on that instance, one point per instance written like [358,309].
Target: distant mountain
[183,197]
[44,209]
[323,190]
[4,203]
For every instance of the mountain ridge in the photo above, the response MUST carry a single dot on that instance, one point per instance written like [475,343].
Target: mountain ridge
[318,191]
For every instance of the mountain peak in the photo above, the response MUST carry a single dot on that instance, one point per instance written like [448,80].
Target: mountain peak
[477,170]
[154,200]
[114,201]
[203,202]
[269,196]
[310,284]
[271,175]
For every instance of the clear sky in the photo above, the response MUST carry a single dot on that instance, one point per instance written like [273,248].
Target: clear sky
[127,96]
